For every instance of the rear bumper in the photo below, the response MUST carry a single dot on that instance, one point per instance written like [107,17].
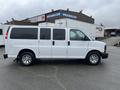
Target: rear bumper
[5,56]
[105,55]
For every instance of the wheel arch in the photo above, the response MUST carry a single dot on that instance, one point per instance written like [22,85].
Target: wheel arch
[26,50]
[93,51]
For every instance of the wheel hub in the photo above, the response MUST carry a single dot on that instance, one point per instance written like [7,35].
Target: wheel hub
[94,58]
[26,59]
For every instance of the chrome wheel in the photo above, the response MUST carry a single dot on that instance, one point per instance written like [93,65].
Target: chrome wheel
[26,59]
[94,58]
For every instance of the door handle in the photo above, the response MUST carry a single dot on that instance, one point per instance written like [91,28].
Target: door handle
[53,43]
[68,43]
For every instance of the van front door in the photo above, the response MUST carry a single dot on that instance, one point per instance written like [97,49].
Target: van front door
[59,43]
[77,44]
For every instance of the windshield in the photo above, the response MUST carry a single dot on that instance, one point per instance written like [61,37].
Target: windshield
[92,37]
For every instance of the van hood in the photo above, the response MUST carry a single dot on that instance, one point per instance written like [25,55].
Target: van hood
[100,42]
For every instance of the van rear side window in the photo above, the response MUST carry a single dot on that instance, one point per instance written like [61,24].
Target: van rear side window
[24,33]
[1,32]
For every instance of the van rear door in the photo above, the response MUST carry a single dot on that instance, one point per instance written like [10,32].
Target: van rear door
[45,43]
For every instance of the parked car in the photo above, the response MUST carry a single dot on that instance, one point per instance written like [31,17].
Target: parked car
[28,43]
[1,37]
[113,34]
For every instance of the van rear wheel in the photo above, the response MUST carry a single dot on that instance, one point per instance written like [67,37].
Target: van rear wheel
[26,58]
[93,58]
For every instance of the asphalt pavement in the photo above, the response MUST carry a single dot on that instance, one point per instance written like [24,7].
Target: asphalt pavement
[61,75]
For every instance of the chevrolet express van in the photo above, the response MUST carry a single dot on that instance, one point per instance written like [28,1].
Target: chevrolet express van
[28,43]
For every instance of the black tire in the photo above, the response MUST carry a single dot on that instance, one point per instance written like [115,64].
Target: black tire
[92,61]
[26,58]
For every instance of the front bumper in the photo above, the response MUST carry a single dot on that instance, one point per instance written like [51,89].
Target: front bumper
[5,56]
[105,55]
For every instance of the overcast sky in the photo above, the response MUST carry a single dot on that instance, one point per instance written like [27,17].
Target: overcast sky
[106,12]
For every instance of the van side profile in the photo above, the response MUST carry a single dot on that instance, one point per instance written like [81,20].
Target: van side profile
[28,43]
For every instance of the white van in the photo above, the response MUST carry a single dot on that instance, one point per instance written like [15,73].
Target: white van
[28,43]
[1,37]
[3,29]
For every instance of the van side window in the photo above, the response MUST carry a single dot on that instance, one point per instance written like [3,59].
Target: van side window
[1,32]
[45,33]
[77,35]
[24,33]
[58,34]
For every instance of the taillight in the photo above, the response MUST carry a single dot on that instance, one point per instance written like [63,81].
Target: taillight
[6,35]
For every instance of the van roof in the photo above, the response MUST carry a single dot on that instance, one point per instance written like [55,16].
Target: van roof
[20,26]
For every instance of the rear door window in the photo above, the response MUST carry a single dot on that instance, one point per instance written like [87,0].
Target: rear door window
[24,33]
[58,34]
[45,33]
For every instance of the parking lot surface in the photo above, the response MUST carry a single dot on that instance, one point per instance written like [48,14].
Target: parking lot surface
[61,75]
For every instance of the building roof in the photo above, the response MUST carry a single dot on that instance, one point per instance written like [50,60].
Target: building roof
[52,16]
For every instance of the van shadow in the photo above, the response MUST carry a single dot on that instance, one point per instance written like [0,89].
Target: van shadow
[62,62]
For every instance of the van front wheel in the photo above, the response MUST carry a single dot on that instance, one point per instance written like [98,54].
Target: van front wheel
[26,58]
[93,58]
